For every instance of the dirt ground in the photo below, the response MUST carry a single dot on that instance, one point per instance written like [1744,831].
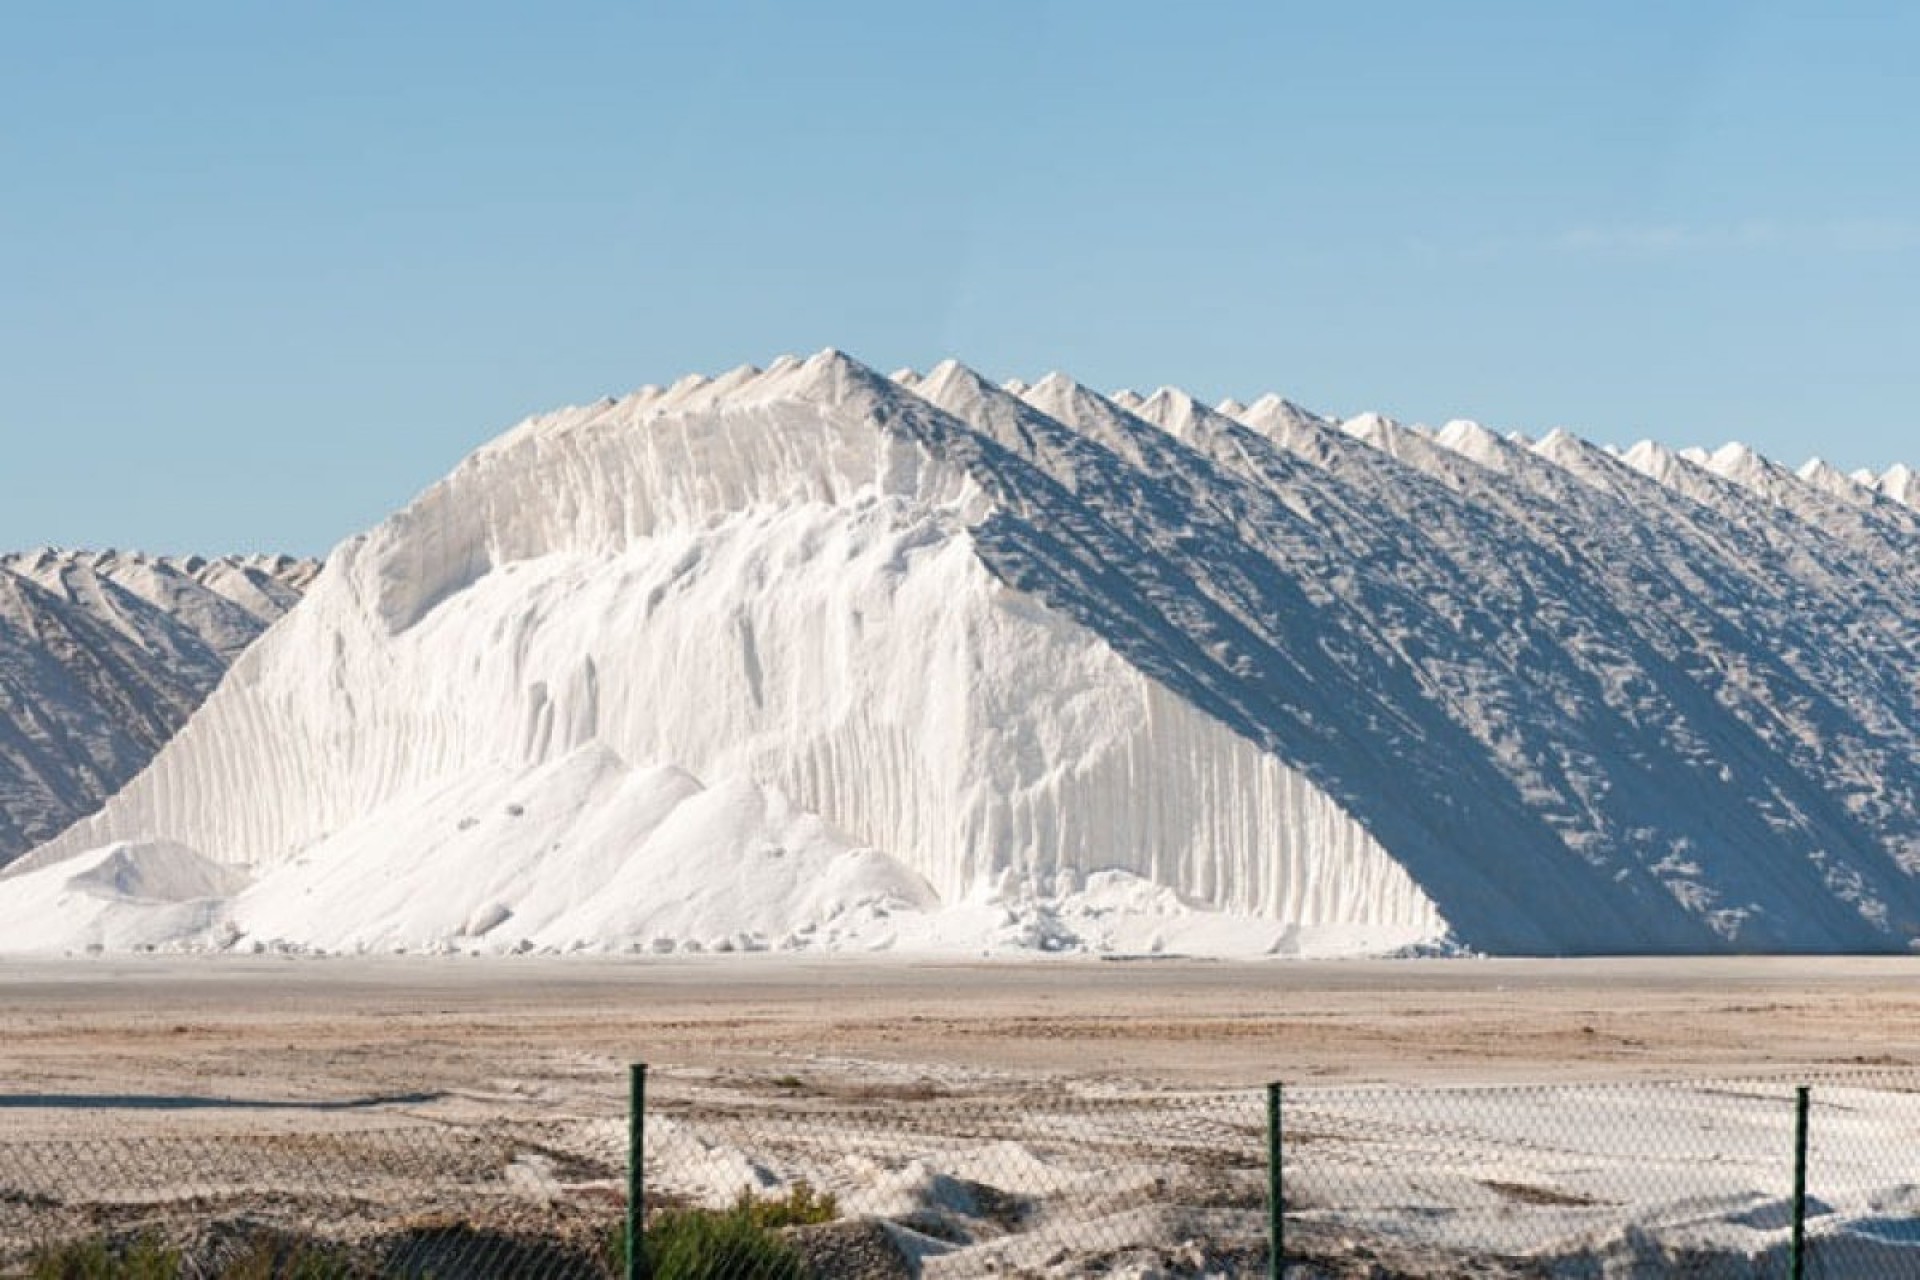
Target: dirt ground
[157,1034]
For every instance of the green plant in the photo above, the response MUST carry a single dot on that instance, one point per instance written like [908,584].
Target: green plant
[701,1244]
[736,1243]
[142,1258]
[802,1206]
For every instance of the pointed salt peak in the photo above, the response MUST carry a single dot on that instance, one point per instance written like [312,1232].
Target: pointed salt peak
[1736,461]
[823,367]
[1519,439]
[1474,442]
[1695,454]
[959,390]
[1865,478]
[824,375]
[1230,407]
[1056,395]
[1168,408]
[1902,484]
[828,373]
[1820,474]
[738,376]
[709,392]
[1655,461]
[1172,400]
[1060,396]
[1369,428]
[681,389]
[829,363]
[1650,457]
[905,377]
[1561,446]
[1464,434]
[950,374]
[1270,412]
[1016,386]
[1127,398]
[1300,412]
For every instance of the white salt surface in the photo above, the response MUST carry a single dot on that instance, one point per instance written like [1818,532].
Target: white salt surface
[1622,1179]
[119,898]
[808,658]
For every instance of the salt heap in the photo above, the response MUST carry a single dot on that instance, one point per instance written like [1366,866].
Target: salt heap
[812,658]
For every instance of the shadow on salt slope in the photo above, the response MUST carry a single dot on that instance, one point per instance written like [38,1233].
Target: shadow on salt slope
[1507,699]
[188,1102]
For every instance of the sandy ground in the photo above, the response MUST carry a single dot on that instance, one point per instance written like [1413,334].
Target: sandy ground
[155,1033]
[158,1086]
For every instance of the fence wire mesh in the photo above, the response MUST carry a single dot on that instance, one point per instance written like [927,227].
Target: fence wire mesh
[1622,1180]
[1148,1185]
[771,1178]
[416,1200]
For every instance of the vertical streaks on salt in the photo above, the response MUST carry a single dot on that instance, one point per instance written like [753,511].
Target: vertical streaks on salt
[766,576]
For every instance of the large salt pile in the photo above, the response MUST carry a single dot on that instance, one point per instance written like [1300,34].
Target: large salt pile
[810,657]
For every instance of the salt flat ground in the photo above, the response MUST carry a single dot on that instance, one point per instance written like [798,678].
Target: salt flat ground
[520,1034]
[755,1051]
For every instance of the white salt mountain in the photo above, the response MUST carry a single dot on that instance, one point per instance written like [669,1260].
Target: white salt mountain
[103,654]
[816,658]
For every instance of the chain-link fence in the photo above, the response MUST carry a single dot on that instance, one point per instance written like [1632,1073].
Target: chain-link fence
[412,1199]
[1058,1185]
[770,1177]
[1654,1180]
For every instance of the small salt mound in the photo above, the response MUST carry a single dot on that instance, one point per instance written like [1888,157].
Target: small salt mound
[585,852]
[126,896]
[710,1172]
[155,872]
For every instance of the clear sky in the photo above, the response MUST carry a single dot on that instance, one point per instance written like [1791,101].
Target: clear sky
[268,269]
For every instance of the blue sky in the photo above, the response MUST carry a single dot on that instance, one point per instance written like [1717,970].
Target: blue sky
[266,270]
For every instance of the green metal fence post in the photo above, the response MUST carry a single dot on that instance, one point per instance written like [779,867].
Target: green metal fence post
[1799,1256]
[637,1268]
[1276,1213]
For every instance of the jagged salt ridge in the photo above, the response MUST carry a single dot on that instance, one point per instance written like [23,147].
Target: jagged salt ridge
[1899,482]
[103,655]
[1018,664]
[1671,656]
